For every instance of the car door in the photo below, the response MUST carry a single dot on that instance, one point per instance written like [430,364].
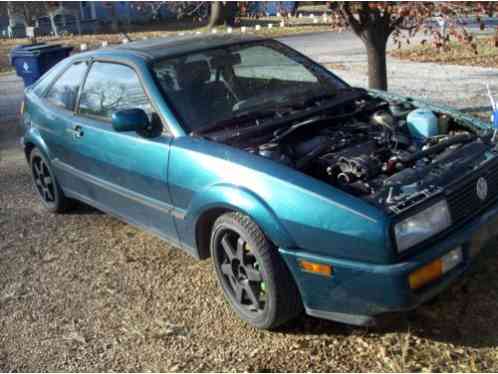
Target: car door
[120,172]
[54,118]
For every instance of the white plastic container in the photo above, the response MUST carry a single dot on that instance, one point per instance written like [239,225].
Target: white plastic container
[422,124]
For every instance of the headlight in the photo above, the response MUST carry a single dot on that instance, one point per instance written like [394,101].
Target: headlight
[421,226]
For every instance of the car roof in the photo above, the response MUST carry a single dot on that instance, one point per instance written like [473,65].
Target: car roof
[177,45]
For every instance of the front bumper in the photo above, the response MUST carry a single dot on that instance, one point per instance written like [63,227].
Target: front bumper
[357,292]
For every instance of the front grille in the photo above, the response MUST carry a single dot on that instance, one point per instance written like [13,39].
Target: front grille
[463,201]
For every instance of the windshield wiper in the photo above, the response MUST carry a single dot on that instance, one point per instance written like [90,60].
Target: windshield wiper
[351,94]
[274,108]
[305,100]
[237,118]
[313,121]
[319,118]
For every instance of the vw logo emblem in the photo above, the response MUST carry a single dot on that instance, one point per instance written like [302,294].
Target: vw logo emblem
[482,188]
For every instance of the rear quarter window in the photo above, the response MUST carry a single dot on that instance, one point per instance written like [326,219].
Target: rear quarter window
[46,79]
[64,91]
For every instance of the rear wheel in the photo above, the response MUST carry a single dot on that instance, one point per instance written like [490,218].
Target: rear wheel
[254,278]
[45,183]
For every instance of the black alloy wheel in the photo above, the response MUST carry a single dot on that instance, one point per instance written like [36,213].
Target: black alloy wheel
[241,272]
[43,180]
[45,183]
[253,276]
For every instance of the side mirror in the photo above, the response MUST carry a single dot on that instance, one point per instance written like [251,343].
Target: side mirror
[130,120]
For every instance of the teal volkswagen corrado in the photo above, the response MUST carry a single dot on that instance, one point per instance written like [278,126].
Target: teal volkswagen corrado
[307,193]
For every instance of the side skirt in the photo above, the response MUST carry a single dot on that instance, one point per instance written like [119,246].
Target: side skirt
[149,202]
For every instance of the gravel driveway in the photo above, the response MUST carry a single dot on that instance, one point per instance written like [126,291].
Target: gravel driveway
[86,292]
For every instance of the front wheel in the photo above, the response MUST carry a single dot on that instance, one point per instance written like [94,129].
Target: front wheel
[254,278]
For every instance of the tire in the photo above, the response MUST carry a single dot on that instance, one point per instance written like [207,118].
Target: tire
[46,185]
[253,276]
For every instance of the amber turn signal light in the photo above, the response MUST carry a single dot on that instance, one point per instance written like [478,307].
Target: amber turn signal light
[426,274]
[436,269]
[315,268]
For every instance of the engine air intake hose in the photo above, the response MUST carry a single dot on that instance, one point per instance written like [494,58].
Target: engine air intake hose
[457,139]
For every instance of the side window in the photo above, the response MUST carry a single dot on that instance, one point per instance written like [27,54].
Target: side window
[64,91]
[111,87]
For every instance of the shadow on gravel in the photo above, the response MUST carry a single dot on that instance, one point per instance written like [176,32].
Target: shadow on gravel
[81,208]
[466,314]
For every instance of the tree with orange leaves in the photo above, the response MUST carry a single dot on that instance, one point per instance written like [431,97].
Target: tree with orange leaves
[375,22]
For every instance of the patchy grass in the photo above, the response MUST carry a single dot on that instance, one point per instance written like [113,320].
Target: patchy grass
[293,26]
[457,54]
[306,8]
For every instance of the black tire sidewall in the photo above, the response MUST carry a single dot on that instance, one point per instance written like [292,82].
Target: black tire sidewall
[269,314]
[57,204]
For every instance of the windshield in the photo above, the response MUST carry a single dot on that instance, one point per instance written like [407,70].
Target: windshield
[216,85]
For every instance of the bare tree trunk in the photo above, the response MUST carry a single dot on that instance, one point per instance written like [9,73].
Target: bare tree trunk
[10,9]
[28,21]
[51,14]
[222,13]
[373,28]
[294,9]
[230,10]
[216,14]
[10,14]
[377,67]
[128,19]
[63,17]
[78,22]
[114,19]
[375,36]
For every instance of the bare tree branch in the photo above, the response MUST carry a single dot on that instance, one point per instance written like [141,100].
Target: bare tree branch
[350,18]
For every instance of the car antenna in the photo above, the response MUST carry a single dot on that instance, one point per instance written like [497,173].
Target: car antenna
[494,115]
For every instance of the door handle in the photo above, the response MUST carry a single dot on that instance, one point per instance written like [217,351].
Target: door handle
[76,131]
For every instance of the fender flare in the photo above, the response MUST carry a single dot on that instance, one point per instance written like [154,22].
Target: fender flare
[236,198]
[34,138]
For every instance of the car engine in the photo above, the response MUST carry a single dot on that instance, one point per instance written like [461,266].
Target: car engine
[394,156]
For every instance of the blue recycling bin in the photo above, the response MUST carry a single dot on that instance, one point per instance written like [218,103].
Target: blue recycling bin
[32,61]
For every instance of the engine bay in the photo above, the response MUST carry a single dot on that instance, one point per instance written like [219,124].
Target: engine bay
[391,154]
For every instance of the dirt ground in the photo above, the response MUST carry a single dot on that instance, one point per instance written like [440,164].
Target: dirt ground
[85,292]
